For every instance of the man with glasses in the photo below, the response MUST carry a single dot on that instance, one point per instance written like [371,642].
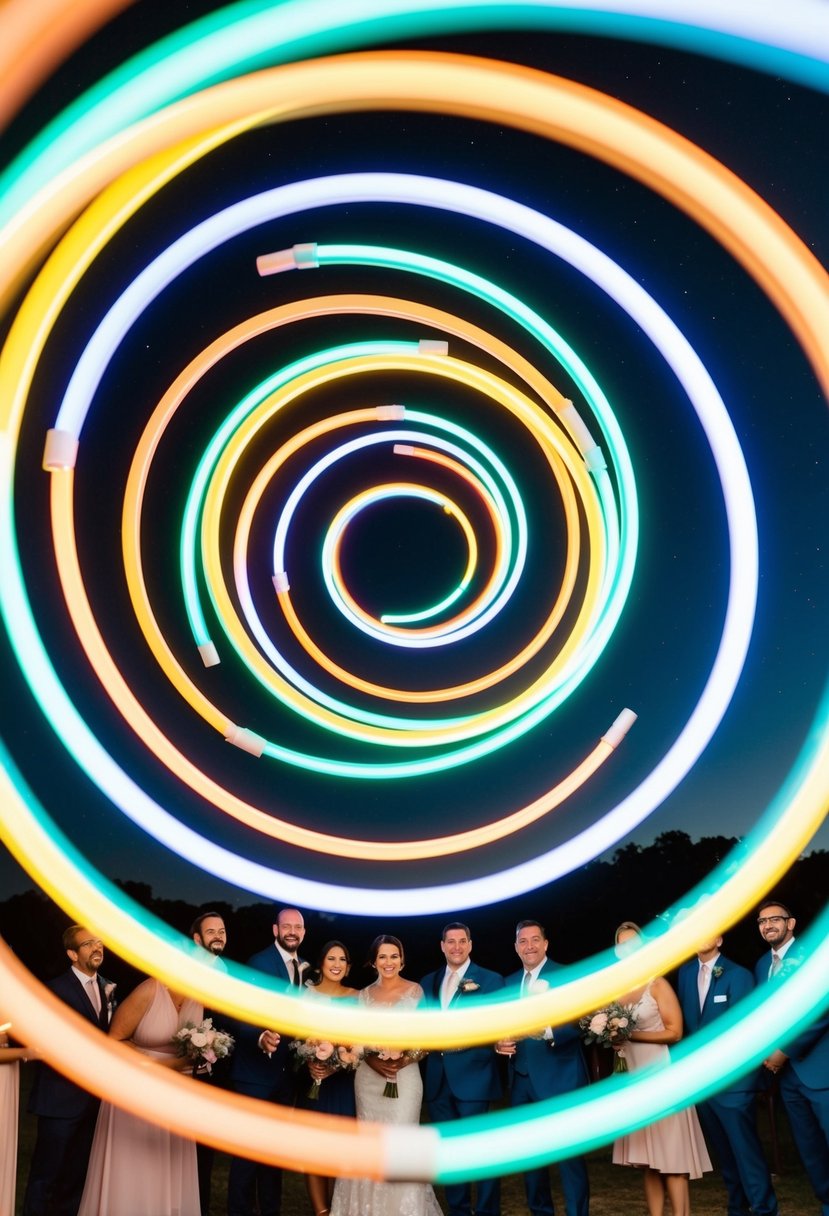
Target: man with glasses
[803,1063]
[66,1114]
[776,925]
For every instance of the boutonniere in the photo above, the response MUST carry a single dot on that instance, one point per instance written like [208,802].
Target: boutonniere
[109,997]
[717,972]
[467,986]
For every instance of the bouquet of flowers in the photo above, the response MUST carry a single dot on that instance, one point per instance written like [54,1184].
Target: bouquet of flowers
[202,1044]
[336,1056]
[609,1027]
[388,1053]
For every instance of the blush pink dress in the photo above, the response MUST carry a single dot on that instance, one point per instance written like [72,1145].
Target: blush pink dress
[9,1089]
[137,1168]
[675,1144]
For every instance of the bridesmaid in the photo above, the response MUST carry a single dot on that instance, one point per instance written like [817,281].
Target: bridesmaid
[138,1168]
[10,1058]
[336,1091]
[673,1149]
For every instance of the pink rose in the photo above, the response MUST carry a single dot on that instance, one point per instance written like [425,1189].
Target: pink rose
[598,1023]
[387,1054]
[324,1050]
[349,1055]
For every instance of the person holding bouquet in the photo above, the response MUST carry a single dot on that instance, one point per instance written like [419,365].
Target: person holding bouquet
[137,1168]
[388,1089]
[672,1150]
[330,1072]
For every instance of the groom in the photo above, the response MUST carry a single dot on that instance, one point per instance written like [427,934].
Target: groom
[543,1067]
[66,1114]
[458,1084]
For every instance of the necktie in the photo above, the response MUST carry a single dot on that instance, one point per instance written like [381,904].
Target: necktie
[295,980]
[776,964]
[703,981]
[450,987]
[94,994]
[527,983]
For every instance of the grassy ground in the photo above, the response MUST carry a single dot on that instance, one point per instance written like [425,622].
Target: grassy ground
[615,1191]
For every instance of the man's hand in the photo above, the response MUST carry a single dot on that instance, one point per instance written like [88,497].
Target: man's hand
[775,1061]
[269,1041]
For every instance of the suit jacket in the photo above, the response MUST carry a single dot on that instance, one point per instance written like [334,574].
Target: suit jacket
[809,1052]
[724,991]
[554,1067]
[250,1066]
[53,1094]
[472,1073]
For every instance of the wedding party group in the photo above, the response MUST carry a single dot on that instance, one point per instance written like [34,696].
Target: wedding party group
[95,1159]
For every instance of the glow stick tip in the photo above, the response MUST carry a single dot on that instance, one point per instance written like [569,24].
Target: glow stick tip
[594,458]
[246,740]
[306,256]
[619,728]
[390,413]
[60,450]
[280,582]
[209,654]
[432,346]
[403,449]
[275,263]
[408,1157]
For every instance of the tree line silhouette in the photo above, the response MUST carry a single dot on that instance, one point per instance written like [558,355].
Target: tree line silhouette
[580,912]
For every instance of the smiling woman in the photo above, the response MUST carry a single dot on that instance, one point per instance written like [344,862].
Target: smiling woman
[388,1089]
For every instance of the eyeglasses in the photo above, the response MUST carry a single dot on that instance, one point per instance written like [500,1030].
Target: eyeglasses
[90,941]
[769,920]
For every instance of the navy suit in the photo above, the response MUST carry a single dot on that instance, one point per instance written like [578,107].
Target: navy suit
[66,1116]
[804,1088]
[542,1069]
[271,1079]
[729,1118]
[459,1084]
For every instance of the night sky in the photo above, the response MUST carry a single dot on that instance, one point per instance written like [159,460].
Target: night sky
[772,134]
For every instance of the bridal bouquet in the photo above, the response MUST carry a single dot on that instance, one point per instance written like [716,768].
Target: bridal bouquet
[336,1056]
[202,1044]
[388,1053]
[609,1027]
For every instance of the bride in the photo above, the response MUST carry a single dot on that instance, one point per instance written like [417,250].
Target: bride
[360,1196]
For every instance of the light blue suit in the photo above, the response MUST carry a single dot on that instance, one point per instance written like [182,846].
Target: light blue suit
[729,1118]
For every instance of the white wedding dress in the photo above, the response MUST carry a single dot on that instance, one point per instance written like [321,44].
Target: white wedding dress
[361,1196]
